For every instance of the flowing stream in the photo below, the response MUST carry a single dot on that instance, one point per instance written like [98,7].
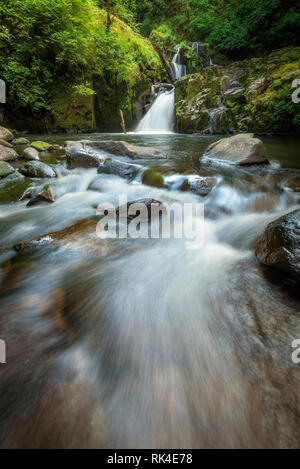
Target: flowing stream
[144,343]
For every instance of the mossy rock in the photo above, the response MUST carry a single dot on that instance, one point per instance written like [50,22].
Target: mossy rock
[21,141]
[42,146]
[4,143]
[152,178]
[185,186]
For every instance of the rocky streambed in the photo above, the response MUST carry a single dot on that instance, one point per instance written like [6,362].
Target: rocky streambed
[141,342]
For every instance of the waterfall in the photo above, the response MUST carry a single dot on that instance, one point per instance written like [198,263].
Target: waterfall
[161,116]
[178,68]
[201,51]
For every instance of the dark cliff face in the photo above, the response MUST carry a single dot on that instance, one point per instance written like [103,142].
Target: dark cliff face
[253,95]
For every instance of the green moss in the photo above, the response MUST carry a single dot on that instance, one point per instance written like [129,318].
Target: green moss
[4,143]
[41,146]
[151,178]
[185,186]
[265,104]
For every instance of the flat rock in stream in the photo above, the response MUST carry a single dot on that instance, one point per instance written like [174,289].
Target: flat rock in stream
[118,168]
[37,169]
[8,154]
[117,148]
[279,246]
[242,150]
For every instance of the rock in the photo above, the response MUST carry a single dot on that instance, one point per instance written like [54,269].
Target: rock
[45,196]
[42,146]
[5,169]
[118,148]
[149,203]
[242,150]
[152,178]
[119,168]
[80,156]
[28,245]
[234,95]
[218,120]
[279,246]
[202,186]
[8,154]
[4,143]
[21,141]
[6,134]
[30,153]
[37,169]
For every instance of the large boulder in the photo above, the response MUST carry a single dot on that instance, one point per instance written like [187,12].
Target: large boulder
[7,154]
[119,168]
[279,246]
[37,169]
[242,150]
[6,134]
[118,148]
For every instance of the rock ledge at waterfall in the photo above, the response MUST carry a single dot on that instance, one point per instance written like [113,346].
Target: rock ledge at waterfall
[88,153]
[279,246]
[242,150]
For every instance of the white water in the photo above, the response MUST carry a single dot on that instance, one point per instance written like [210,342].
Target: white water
[178,68]
[160,119]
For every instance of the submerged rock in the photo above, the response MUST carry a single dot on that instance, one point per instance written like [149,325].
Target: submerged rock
[279,246]
[119,168]
[8,154]
[5,169]
[118,148]
[30,153]
[152,178]
[6,134]
[21,141]
[37,169]
[242,150]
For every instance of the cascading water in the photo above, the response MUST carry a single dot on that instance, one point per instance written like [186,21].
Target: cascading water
[161,116]
[201,51]
[178,67]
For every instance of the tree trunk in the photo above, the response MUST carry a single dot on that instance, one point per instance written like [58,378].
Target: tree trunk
[165,63]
